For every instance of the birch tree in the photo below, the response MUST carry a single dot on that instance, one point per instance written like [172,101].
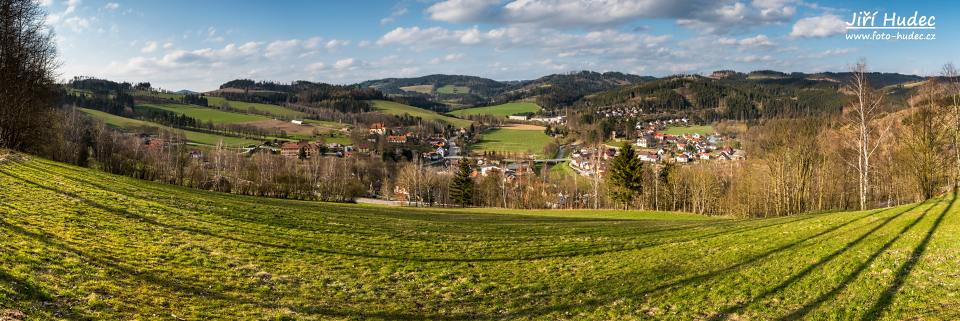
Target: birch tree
[864,109]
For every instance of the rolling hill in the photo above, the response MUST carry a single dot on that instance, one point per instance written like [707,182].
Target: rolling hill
[393,108]
[191,136]
[503,110]
[81,244]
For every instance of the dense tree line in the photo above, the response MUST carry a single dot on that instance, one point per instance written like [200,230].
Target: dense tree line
[27,62]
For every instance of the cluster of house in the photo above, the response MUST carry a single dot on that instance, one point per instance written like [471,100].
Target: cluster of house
[657,147]
[538,119]
[620,111]
[292,149]
[397,135]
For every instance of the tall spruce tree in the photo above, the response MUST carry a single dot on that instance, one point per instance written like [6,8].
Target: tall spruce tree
[461,188]
[302,153]
[626,176]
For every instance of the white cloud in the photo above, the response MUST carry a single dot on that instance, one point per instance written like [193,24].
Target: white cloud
[111,6]
[316,67]
[45,3]
[313,43]
[78,24]
[756,41]
[282,47]
[818,27]
[168,45]
[71,6]
[344,63]
[703,15]
[333,44]
[753,58]
[463,10]
[150,47]
[397,12]
[448,58]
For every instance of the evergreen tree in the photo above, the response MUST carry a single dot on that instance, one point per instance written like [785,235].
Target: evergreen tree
[626,175]
[461,188]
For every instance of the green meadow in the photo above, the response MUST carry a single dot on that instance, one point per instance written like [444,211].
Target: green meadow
[513,140]
[451,89]
[206,114]
[392,108]
[192,136]
[503,110]
[680,130]
[279,111]
[79,244]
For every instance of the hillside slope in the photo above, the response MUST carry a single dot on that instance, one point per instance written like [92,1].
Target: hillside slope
[80,244]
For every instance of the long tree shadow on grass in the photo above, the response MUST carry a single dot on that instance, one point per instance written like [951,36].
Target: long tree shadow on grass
[886,299]
[724,313]
[809,307]
[708,275]
[33,295]
[586,251]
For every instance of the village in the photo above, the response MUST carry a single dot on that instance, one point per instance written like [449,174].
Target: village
[652,142]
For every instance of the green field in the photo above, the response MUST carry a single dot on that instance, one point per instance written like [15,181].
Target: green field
[513,140]
[207,114]
[275,110]
[393,108]
[451,89]
[680,130]
[424,89]
[163,95]
[80,244]
[503,110]
[192,136]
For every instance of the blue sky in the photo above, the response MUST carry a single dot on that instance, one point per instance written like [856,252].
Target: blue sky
[200,44]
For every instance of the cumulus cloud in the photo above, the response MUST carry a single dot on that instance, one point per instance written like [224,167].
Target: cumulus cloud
[514,37]
[344,63]
[753,58]
[111,6]
[150,47]
[333,44]
[705,15]
[755,41]
[397,12]
[282,47]
[818,27]
[464,10]
[448,58]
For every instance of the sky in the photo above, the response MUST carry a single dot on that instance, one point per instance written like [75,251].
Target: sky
[198,45]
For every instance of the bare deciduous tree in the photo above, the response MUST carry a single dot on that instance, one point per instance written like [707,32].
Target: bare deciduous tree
[952,76]
[27,64]
[864,109]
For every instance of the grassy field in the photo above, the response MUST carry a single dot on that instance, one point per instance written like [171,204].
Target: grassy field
[196,137]
[513,140]
[451,89]
[425,89]
[499,110]
[275,110]
[393,108]
[163,95]
[80,244]
[207,114]
[680,130]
